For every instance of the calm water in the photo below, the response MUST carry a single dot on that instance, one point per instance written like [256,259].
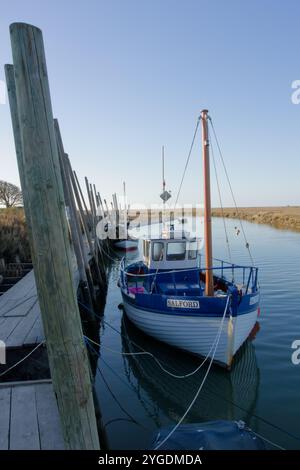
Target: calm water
[137,398]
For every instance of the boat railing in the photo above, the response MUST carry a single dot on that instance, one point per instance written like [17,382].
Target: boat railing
[246,276]
[230,273]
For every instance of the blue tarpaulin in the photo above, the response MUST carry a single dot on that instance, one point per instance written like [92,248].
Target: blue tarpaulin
[212,435]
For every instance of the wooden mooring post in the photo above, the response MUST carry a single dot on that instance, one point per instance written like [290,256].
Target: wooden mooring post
[12,97]
[45,208]
[100,273]
[80,250]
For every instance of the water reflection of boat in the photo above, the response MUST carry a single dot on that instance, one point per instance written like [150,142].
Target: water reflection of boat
[225,395]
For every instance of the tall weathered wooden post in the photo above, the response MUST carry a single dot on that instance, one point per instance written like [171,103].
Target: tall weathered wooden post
[45,208]
[12,97]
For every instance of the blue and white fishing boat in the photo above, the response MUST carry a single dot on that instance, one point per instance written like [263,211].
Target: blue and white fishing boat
[206,310]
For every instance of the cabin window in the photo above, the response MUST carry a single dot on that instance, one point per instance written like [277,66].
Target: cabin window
[157,251]
[193,250]
[176,251]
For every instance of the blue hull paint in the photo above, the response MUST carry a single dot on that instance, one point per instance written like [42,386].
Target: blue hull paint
[172,307]
[181,292]
[209,306]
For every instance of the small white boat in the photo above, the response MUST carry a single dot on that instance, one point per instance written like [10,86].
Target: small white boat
[121,238]
[208,311]
[128,244]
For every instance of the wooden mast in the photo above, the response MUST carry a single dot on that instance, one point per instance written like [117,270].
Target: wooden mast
[209,283]
[125,212]
[163,185]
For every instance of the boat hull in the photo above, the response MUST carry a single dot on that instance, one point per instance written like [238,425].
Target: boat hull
[195,334]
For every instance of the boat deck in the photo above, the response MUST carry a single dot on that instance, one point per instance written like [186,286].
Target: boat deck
[29,417]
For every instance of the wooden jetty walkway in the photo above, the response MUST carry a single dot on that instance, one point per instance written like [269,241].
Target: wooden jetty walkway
[29,417]
[20,313]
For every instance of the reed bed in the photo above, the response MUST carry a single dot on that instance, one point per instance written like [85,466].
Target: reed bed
[14,244]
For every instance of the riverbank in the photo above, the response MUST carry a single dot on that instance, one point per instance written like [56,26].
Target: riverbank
[287,217]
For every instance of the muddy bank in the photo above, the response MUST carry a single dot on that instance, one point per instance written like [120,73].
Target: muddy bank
[287,217]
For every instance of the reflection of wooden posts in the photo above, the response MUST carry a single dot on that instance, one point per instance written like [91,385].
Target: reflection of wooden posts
[45,208]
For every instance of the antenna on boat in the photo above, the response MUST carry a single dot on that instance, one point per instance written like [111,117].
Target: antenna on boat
[209,282]
[165,195]
[163,168]
[163,181]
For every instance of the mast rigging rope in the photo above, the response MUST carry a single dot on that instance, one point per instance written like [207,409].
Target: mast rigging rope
[187,160]
[220,199]
[231,190]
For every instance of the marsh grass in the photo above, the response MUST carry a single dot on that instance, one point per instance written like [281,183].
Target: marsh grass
[14,242]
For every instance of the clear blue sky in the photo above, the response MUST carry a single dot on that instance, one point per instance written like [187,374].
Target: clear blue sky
[127,76]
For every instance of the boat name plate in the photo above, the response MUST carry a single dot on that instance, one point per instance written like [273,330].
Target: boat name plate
[177,303]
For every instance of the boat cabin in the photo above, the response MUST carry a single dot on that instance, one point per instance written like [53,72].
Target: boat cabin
[173,252]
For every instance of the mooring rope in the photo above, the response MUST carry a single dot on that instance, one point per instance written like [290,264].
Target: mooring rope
[217,339]
[268,440]
[126,384]
[231,191]
[23,359]
[201,385]
[131,418]
[147,353]
[263,420]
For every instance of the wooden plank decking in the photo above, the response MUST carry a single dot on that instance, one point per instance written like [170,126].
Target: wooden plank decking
[20,315]
[29,417]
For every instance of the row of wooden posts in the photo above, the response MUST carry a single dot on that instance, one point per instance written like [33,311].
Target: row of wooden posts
[56,213]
